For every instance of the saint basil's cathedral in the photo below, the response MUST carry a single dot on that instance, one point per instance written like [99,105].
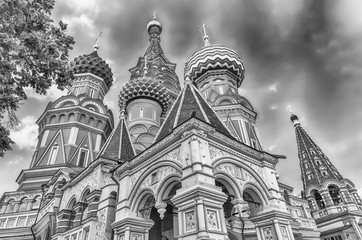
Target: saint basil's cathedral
[181,162]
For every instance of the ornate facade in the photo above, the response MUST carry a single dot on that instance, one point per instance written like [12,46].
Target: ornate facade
[180,163]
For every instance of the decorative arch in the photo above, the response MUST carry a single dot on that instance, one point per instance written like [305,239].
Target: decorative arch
[10,205]
[230,183]
[231,166]
[94,105]
[65,102]
[166,185]
[258,192]
[144,181]
[23,204]
[219,100]
[141,200]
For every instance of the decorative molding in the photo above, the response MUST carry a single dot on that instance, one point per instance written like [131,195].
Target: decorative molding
[101,225]
[190,222]
[212,220]
[17,196]
[90,181]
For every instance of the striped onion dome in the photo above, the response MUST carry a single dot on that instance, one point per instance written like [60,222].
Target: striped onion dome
[145,87]
[213,57]
[92,63]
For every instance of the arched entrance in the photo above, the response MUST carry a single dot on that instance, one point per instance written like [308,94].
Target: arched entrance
[166,228]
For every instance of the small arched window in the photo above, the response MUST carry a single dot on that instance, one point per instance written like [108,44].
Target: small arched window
[62,118]
[82,118]
[71,117]
[52,119]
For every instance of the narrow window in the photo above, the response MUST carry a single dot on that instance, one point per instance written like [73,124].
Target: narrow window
[154,115]
[98,143]
[44,139]
[73,135]
[83,157]
[141,112]
[53,155]
[92,93]
[221,89]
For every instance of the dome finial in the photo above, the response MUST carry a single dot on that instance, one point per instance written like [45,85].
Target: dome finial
[204,34]
[154,27]
[293,117]
[96,46]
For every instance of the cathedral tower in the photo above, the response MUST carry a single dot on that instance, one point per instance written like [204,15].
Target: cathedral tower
[334,201]
[151,90]
[73,128]
[218,71]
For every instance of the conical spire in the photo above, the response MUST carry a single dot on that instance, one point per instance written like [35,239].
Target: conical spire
[190,104]
[315,166]
[118,145]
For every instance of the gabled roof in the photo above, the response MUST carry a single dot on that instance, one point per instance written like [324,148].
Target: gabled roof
[190,104]
[118,145]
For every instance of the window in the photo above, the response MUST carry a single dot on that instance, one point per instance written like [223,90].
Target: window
[83,157]
[221,89]
[141,112]
[98,143]
[92,93]
[53,155]
[253,143]
[73,135]
[44,139]
[154,177]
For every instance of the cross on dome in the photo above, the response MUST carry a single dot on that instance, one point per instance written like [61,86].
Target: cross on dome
[205,36]
[96,46]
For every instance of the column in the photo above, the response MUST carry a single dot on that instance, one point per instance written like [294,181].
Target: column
[93,200]
[326,197]
[201,219]
[356,229]
[63,220]
[312,203]
[79,209]
[277,229]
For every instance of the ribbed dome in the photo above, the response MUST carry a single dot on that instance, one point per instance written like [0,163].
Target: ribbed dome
[145,87]
[214,57]
[92,63]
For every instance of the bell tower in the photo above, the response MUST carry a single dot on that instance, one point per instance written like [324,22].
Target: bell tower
[334,200]
[150,92]
[73,128]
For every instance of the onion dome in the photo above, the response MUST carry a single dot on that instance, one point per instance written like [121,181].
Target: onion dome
[154,26]
[293,117]
[214,57]
[92,63]
[145,87]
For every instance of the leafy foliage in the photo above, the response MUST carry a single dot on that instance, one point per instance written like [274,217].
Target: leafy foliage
[33,53]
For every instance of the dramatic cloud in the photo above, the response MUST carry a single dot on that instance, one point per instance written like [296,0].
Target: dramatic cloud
[303,53]
[26,136]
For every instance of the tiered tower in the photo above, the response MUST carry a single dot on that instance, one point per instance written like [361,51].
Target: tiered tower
[218,71]
[151,90]
[334,200]
[73,128]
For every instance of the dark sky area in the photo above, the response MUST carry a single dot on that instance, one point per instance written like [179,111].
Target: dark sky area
[302,53]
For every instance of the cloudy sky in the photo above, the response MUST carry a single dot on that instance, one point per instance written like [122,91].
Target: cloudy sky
[306,54]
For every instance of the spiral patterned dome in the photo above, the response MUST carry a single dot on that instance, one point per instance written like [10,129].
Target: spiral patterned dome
[145,87]
[213,57]
[92,63]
